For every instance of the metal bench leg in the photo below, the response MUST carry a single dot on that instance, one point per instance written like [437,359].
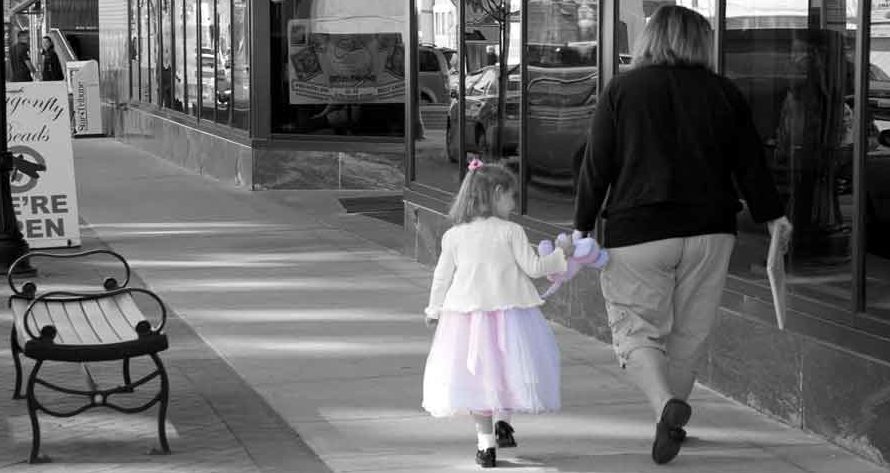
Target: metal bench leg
[16,360]
[127,379]
[32,413]
[162,409]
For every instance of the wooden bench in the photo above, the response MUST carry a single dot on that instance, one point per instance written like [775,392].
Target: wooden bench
[81,328]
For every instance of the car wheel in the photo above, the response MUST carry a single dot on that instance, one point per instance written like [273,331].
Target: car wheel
[482,144]
[449,152]
[425,99]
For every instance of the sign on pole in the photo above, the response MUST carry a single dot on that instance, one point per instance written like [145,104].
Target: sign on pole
[44,195]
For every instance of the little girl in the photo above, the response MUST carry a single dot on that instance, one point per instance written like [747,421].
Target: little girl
[493,353]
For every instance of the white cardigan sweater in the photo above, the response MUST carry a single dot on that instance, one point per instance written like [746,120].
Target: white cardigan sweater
[487,265]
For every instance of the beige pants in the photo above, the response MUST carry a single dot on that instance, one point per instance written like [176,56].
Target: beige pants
[665,294]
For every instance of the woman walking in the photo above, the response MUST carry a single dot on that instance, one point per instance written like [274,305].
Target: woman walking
[670,142]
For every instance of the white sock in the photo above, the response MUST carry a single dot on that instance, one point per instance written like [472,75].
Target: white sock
[485,441]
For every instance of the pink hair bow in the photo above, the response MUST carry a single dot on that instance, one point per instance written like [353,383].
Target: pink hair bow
[475,164]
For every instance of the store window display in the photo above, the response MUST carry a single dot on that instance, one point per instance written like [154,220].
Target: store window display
[339,67]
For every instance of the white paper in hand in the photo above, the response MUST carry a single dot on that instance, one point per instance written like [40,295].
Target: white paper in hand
[775,269]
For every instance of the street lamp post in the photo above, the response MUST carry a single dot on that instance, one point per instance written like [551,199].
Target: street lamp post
[12,242]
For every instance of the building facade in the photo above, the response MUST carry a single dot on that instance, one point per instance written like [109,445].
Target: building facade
[400,94]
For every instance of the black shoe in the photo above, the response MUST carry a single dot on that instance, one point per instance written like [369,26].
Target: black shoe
[504,434]
[669,433]
[680,434]
[486,458]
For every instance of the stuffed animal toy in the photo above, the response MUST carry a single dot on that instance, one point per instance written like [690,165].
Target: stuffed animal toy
[587,253]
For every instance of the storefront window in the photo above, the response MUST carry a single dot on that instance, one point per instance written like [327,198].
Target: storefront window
[191,71]
[241,64]
[877,169]
[222,29]
[208,59]
[436,144]
[166,50]
[154,46]
[493,86]
[795,66]
[135,48]
[145,50]
[179,52]
[192,56]
[561,53]
[338,67]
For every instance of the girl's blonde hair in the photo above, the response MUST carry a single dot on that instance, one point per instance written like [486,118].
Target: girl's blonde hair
[478,192]
[674,36]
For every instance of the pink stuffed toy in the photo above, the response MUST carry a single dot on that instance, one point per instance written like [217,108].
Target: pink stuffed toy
[587,253]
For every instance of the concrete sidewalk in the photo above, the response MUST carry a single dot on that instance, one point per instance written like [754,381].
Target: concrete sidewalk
[325,325]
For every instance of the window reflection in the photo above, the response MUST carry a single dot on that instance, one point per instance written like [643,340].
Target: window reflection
[493,85]
[798,79]
[222,32]
[241,65]
[135,48]
[153,55]
[561,53]
[145,50]
[191,72]
[208,52]
[179,52]
[877,170]
[165,30]
[435,144]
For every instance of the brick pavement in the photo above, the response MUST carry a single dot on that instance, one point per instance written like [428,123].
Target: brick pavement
[215,422]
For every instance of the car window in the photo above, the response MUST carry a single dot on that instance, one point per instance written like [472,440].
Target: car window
[476,84]
[428,61]
[878,74]
[579,54]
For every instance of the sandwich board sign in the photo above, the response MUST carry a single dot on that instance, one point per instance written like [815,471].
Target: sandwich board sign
[44,195]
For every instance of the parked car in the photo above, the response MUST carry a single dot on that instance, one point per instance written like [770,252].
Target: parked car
[561,100]
[209,95]
[481,122]
[433,75]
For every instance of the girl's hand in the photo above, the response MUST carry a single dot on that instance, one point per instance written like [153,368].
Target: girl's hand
[431,322]
[568,247]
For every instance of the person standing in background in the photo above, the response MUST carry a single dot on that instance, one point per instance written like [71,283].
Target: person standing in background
[52,68]
[20,59]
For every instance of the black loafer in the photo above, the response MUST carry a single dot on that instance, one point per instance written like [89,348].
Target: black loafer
[504,434]
[680,433]
[486,458]
[669,433]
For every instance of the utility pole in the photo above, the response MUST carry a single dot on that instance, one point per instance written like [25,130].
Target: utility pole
[12,242]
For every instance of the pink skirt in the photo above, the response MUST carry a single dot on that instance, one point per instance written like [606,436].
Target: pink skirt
[488,362]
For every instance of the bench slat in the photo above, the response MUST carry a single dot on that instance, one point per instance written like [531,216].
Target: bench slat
[77,320]
[130,309]
[40,318]
[100,322]
[118,321]
[55,315]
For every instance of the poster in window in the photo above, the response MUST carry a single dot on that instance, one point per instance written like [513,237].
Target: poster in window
[331,64]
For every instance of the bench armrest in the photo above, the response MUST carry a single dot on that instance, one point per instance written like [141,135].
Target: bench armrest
[29,288]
